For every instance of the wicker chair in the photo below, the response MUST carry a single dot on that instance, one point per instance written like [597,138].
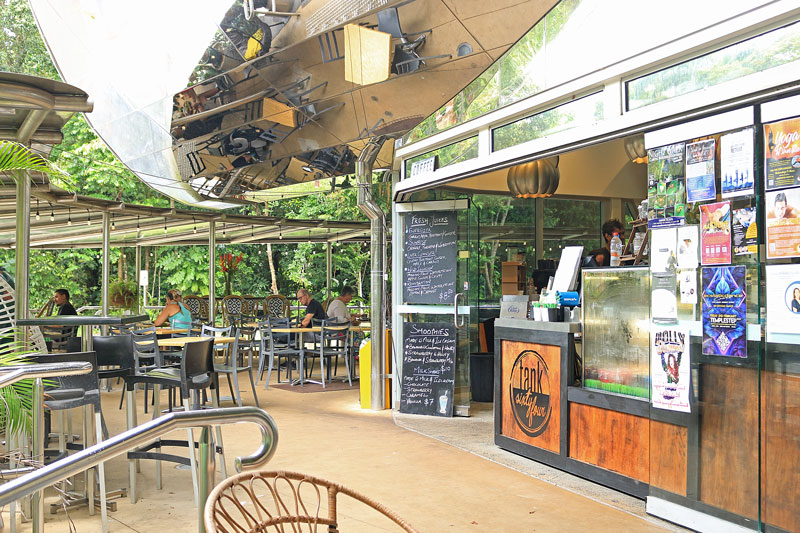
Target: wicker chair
[251,304]
[197,306]
[276,306]
[232,308]
[234,505]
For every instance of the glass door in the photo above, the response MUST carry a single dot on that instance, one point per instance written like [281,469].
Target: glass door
[437,293]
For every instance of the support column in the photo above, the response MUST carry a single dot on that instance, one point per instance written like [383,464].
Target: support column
[23,250]
[328,269]
[136,274]
[106,259]
[212,270]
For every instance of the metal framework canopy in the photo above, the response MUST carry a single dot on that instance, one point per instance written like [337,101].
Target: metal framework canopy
[60,219]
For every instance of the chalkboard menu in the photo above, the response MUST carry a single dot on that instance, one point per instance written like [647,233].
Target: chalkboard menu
[431,249]
[429,368]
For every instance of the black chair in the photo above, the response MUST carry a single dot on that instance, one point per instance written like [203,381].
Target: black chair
[69,392]
[196,374]
[406,57]
[115,357]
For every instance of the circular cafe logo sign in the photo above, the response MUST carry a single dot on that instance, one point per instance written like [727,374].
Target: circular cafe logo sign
[529,389]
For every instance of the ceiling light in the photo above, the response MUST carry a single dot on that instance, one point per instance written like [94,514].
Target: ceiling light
[69,216]
[113,223]
[195,224]
[88,218]
[52,215]
[165,224]
[37,209]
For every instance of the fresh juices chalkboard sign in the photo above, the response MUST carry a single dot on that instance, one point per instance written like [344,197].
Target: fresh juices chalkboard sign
[430,255]
[429,368]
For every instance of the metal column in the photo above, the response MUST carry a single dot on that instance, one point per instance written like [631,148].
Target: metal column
[136,274]
[23,248]
[328,268]
[106,259]
[212,270]
[378,258]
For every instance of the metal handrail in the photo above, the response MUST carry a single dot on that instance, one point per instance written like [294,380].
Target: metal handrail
[142,434]
[14,373]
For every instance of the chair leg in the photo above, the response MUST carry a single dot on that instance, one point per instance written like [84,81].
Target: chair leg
[101,472]
[88,474]
[322,367]
[192,458]
[156,413]
[346,368]
[269,371]
[218,431]
[253,386]
[130,411]
[237,394]
[230,386]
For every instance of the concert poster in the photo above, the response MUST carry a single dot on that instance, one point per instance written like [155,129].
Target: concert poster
[670,366]
[715,233]
[724,311]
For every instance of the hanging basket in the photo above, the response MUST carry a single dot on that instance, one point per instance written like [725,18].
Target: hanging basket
[537,179]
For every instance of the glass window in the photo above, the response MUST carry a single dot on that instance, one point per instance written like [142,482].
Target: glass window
[763,52]
[451,154]
[579,112]
[570,223]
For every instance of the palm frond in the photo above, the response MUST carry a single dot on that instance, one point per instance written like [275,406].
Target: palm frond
[15,157]
[16,400]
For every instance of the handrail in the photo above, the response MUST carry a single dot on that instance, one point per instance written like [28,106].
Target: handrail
[14,373]
[140,435]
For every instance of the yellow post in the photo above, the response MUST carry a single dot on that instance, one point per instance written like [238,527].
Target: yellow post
[365,377]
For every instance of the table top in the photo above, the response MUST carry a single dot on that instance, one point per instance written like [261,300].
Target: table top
[170,331]
[81,320]
[318,329]
[179,342]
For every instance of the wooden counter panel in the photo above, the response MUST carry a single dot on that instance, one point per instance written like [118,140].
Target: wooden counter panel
[668,445]
[609,439]
[549,438]
[729,438]
[781,450]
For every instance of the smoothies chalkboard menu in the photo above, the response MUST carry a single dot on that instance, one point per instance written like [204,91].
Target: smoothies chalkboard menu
[429,275]
[429,368]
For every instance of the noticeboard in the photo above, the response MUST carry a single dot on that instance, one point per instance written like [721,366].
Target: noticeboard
[429,368]
[430,256]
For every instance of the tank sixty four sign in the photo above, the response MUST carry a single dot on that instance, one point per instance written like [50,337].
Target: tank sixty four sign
[529,393]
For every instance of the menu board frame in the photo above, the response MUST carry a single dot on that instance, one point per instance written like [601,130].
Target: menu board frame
[430,239]
[429,368]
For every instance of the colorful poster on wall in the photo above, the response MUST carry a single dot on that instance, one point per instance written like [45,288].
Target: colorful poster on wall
[783,223]
[688,242]
[666,188]
[688,285]
[700,185]
[724,311]
[669,367]
[736,163]
[745,233]
[783,298]
[782,154]
[715,233]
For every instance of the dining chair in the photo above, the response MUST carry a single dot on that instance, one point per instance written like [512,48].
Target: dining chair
[114,360]
[331,342]
[273,347]
[232,307]
[195,374]
[276,306]
[231,365]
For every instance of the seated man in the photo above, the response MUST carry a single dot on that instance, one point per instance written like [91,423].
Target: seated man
[57,335]
[337,309]
[313,308]
[61,299]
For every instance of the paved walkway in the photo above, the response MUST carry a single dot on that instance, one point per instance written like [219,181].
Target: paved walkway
[435,486]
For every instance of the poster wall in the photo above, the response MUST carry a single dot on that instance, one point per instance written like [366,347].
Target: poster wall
[724,311]
[783,298]
[736,163]
[666,188]
[669,367]
[715,233]
[700,185]
[782,154]
[783,223]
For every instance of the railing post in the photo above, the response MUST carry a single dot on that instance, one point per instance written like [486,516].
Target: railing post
[37,501]
[207,468]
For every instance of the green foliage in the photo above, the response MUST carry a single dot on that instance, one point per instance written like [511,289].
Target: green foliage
[123,294]
[16,406]
[21,49]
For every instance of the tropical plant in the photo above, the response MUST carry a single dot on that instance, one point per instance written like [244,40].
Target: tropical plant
[16,158]
[123,293]
[16,404]
[229,264]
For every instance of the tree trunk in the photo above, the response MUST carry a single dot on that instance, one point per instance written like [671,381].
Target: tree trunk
[272,269]
[121,264]
[488,267]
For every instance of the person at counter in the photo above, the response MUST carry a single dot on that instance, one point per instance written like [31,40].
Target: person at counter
[602,256]
[65,307]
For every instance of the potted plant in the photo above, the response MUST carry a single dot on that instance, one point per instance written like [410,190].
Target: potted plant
[123,294]
[229,263]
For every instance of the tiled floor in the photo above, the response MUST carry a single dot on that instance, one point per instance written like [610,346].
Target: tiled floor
[433,485]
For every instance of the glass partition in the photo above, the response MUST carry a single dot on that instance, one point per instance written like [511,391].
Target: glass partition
[616,330]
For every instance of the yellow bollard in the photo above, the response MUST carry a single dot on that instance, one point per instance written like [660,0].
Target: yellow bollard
[365,373]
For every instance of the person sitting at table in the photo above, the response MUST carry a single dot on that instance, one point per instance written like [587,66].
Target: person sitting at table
[313,310]
[337,309]
[175,312]
[65,307]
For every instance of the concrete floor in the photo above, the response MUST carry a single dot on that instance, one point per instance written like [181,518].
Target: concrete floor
[434,485]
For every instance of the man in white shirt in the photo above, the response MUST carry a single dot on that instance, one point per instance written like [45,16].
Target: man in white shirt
[337,309]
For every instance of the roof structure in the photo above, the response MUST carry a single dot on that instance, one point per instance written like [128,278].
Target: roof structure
[61,219]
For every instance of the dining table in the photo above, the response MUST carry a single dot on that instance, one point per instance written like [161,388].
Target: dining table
[180,342]
[171,331]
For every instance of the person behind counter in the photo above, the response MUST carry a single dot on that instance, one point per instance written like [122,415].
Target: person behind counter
[602,256]
[175,312]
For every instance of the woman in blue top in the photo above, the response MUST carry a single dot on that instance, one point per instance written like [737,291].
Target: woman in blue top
[175,312]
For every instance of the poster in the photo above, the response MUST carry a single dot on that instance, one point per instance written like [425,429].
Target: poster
[745,233]
[669,367]
[724,311]
[736,163]
[782,154]
[688,241]
[662,250]
[663,297]
[666,189]
[715,233]
[783,298]
[687,279]
[783,223]
[700,184]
